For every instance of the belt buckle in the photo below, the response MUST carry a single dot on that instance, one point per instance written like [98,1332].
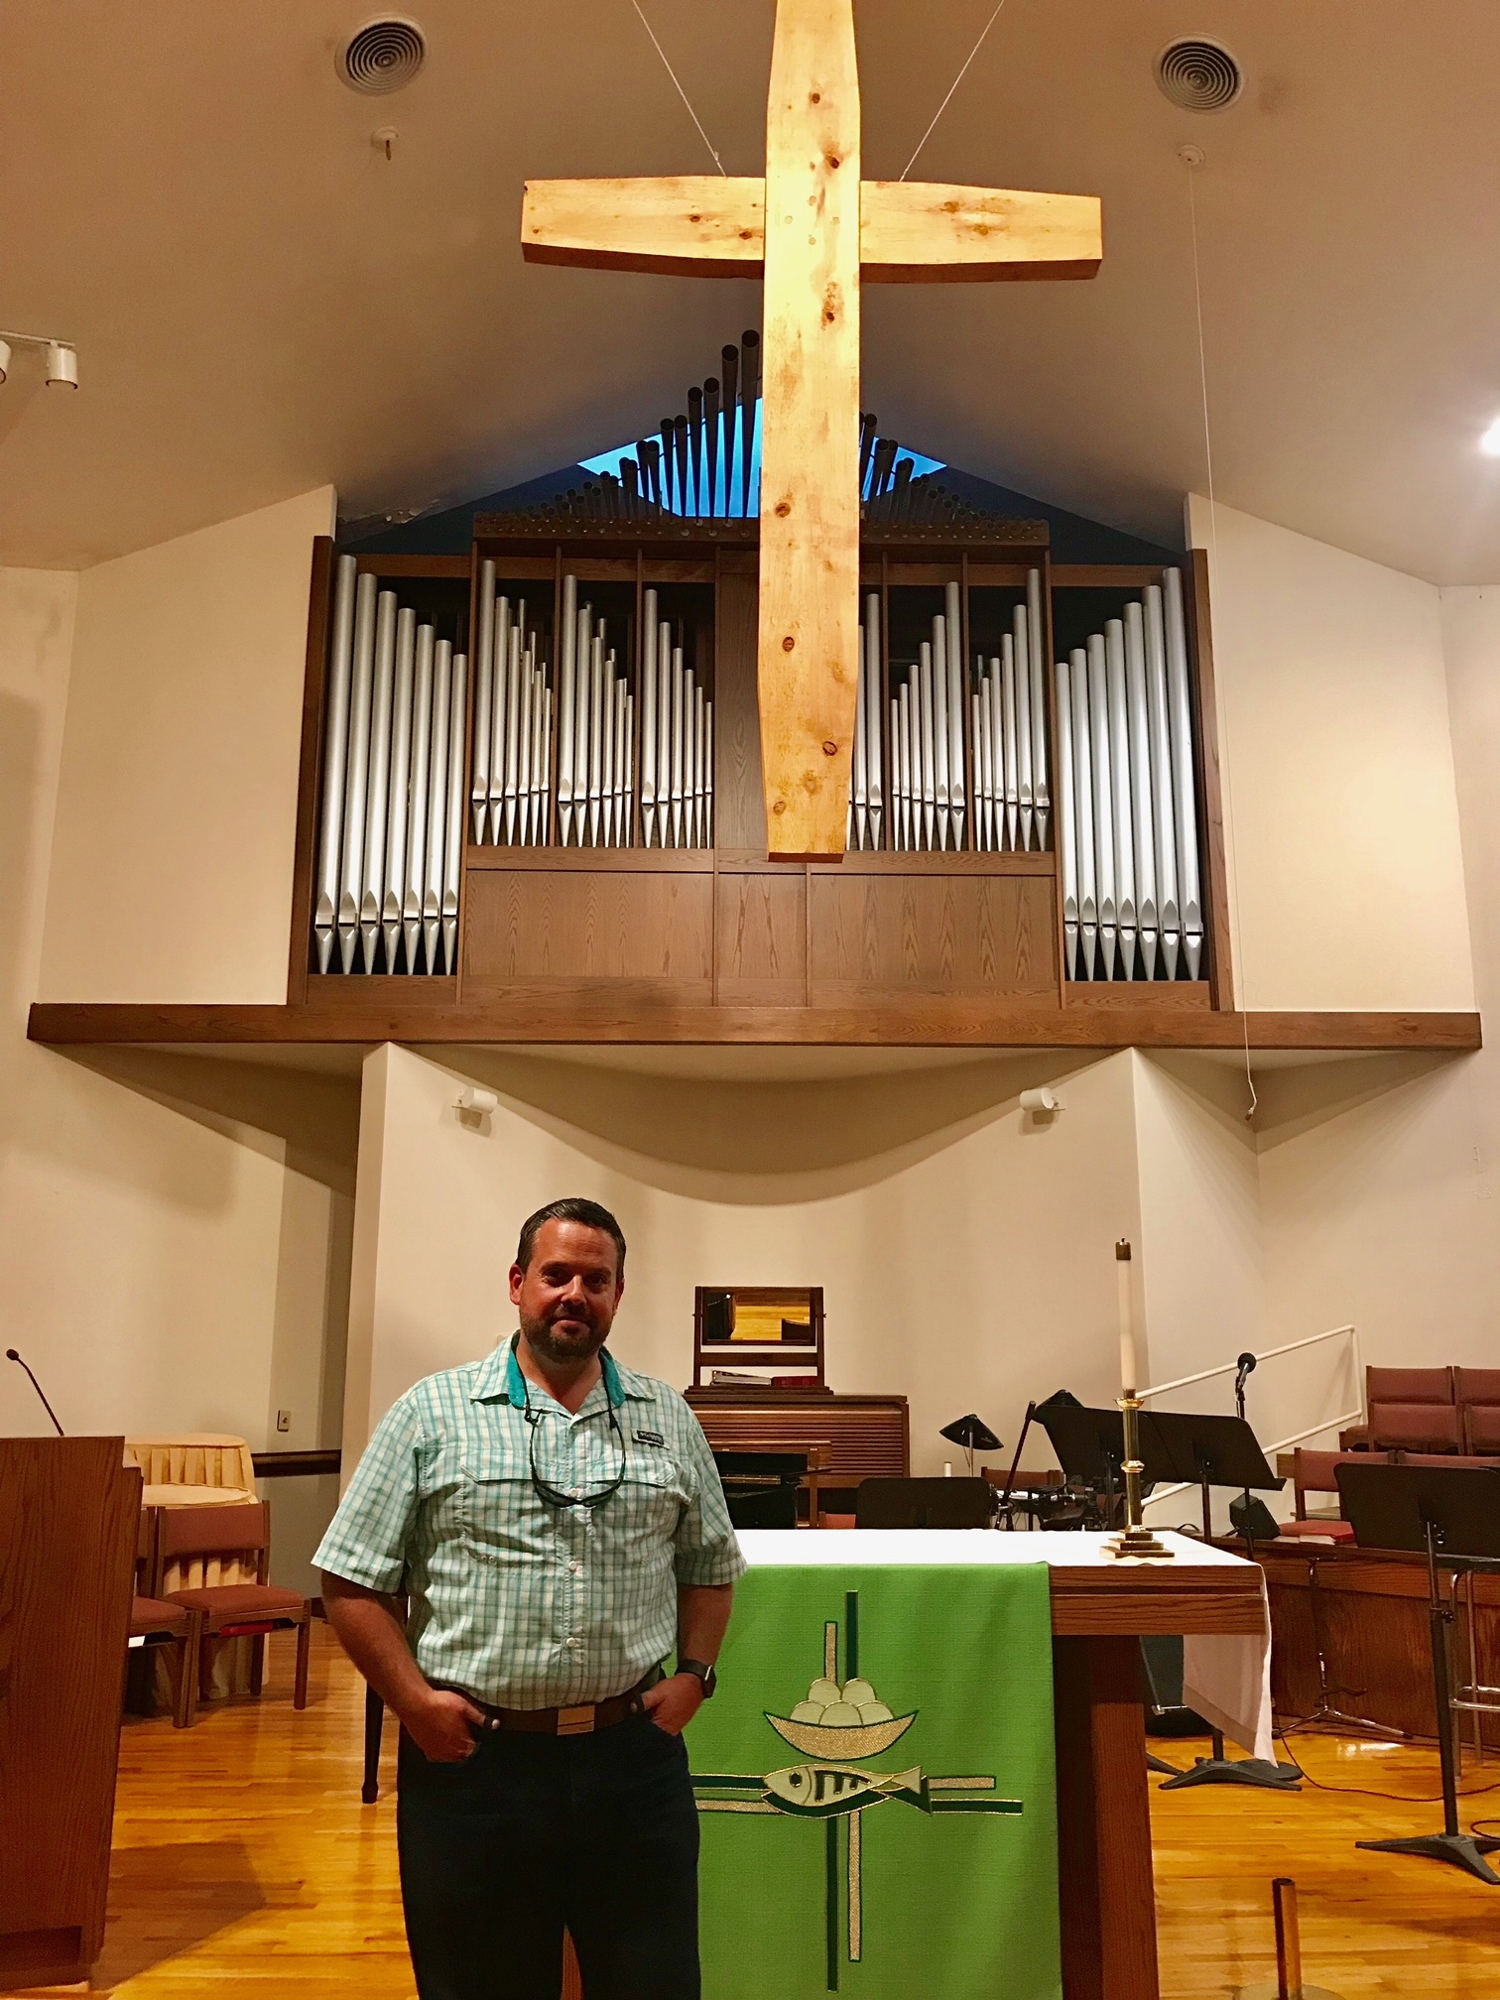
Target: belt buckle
[577,1721]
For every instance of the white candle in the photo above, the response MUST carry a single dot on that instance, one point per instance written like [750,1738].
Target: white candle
[1128,1382]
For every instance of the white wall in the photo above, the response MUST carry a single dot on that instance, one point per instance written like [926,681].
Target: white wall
[173,1230]
[172,855]
[1346,869]
[966,1255]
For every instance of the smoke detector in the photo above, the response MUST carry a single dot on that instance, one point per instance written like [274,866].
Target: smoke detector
[382,56]
[1199,74]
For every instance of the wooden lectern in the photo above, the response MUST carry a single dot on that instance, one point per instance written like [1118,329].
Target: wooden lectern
[69,1509]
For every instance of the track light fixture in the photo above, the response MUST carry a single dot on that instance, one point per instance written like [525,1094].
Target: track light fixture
[62,357]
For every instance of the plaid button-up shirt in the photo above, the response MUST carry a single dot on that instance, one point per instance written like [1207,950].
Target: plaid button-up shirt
[523,1604]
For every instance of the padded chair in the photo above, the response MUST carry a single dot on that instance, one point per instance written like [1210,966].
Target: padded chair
[1426,1427]
[234,1610]
[924,1503]
[1314,1472]
[1403,1387]
[159,1623]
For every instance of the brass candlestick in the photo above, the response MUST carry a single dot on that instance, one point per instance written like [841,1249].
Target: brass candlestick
[1136,1539]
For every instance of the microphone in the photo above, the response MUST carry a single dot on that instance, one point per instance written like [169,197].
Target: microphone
[1245,1366]
[11,1355]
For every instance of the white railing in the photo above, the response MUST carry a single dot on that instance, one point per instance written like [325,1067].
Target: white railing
[1356,1415]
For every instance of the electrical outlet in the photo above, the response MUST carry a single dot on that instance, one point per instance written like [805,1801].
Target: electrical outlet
[283,1420]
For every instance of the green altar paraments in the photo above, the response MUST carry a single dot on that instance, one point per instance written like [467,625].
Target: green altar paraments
[957,1911]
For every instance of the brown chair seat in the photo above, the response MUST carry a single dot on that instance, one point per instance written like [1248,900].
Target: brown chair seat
[1432,1427]
[154,1614]
[229,1603]
[1328,1528]
[1482,1426]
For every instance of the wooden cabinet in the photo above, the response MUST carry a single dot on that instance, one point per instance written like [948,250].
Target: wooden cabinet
[862,1437]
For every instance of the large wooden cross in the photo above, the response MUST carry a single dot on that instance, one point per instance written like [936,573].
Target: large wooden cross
[814,229]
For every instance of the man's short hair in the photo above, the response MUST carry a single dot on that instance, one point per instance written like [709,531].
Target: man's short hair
[572,1208]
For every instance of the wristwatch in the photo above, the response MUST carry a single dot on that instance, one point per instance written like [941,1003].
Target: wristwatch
[703,1671]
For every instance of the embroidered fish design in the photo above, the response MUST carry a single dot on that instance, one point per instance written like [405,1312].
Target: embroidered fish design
[827,1791]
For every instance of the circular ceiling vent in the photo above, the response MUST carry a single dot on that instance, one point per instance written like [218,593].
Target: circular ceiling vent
[1199,74]
[382,56]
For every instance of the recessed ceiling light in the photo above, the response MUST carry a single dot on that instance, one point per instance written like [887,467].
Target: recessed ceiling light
[1489,442]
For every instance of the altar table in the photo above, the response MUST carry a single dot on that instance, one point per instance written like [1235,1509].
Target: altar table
[1100,1607]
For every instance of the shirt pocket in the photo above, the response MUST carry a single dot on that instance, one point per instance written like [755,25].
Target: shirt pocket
[497,1506]
[653,1489]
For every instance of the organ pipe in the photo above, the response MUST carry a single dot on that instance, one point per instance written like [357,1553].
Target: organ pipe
[484,669]
[390,842]
[1127,797]
[335,759]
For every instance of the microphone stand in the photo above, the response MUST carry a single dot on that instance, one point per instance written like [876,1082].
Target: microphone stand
[11,1355]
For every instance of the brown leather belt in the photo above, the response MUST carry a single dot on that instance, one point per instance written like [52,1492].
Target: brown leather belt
[581,1720]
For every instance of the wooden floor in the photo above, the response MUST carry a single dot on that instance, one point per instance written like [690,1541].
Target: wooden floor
[246,1865]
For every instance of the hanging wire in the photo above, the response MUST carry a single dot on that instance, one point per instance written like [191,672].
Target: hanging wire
[1192,160]
[952,87]
[680,91]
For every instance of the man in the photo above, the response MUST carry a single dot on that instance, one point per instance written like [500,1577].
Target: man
[556,1522]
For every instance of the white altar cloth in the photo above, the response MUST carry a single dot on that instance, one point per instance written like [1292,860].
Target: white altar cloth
[1226,1676]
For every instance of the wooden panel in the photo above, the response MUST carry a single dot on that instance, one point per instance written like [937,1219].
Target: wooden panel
[965,1022]
[808,650]
[68,1514]
[1193,994]
[865,1437]
[1200,638]
[1173,1598]
[309,775]
[893,936]
[651,930]
[457,568]
[761,938]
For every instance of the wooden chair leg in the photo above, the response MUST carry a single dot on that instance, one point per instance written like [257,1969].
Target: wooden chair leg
[206,1648]
[188,1648]
[374,1729]
[304,1647]
[257,1664]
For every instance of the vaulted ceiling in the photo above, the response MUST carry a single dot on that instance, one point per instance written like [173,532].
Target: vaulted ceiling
[262,301]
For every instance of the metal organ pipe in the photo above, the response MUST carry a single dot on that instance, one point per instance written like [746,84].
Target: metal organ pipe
[437,800]
[335,755]
[1128,809]
[421,765]
[484,668]
[1119,773]
[357,769]
[398,813]
[453,850]
[378,784]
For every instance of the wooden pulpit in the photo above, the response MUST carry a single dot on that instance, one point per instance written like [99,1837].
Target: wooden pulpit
[69,1509]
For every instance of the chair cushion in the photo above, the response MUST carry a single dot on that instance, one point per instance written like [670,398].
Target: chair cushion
[228,1603]
[1477,1385]
[1408,1385]
[1482,1423]
[1315,1530]
[1416,1427]
[153,1614]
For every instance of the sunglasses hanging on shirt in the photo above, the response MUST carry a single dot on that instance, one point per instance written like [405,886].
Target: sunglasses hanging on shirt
[557,1496]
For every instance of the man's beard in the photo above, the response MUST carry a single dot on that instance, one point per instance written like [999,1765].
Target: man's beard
[578,1338]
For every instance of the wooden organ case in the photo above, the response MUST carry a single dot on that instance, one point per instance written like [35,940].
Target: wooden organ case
[953,934]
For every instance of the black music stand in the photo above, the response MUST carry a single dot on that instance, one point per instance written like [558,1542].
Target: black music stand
[1450,1514]
[1207,1451]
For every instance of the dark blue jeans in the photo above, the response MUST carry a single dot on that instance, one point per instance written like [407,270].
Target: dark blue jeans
[598,1833]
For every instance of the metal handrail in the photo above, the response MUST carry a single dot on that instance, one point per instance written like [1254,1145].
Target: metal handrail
[1270,1354]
